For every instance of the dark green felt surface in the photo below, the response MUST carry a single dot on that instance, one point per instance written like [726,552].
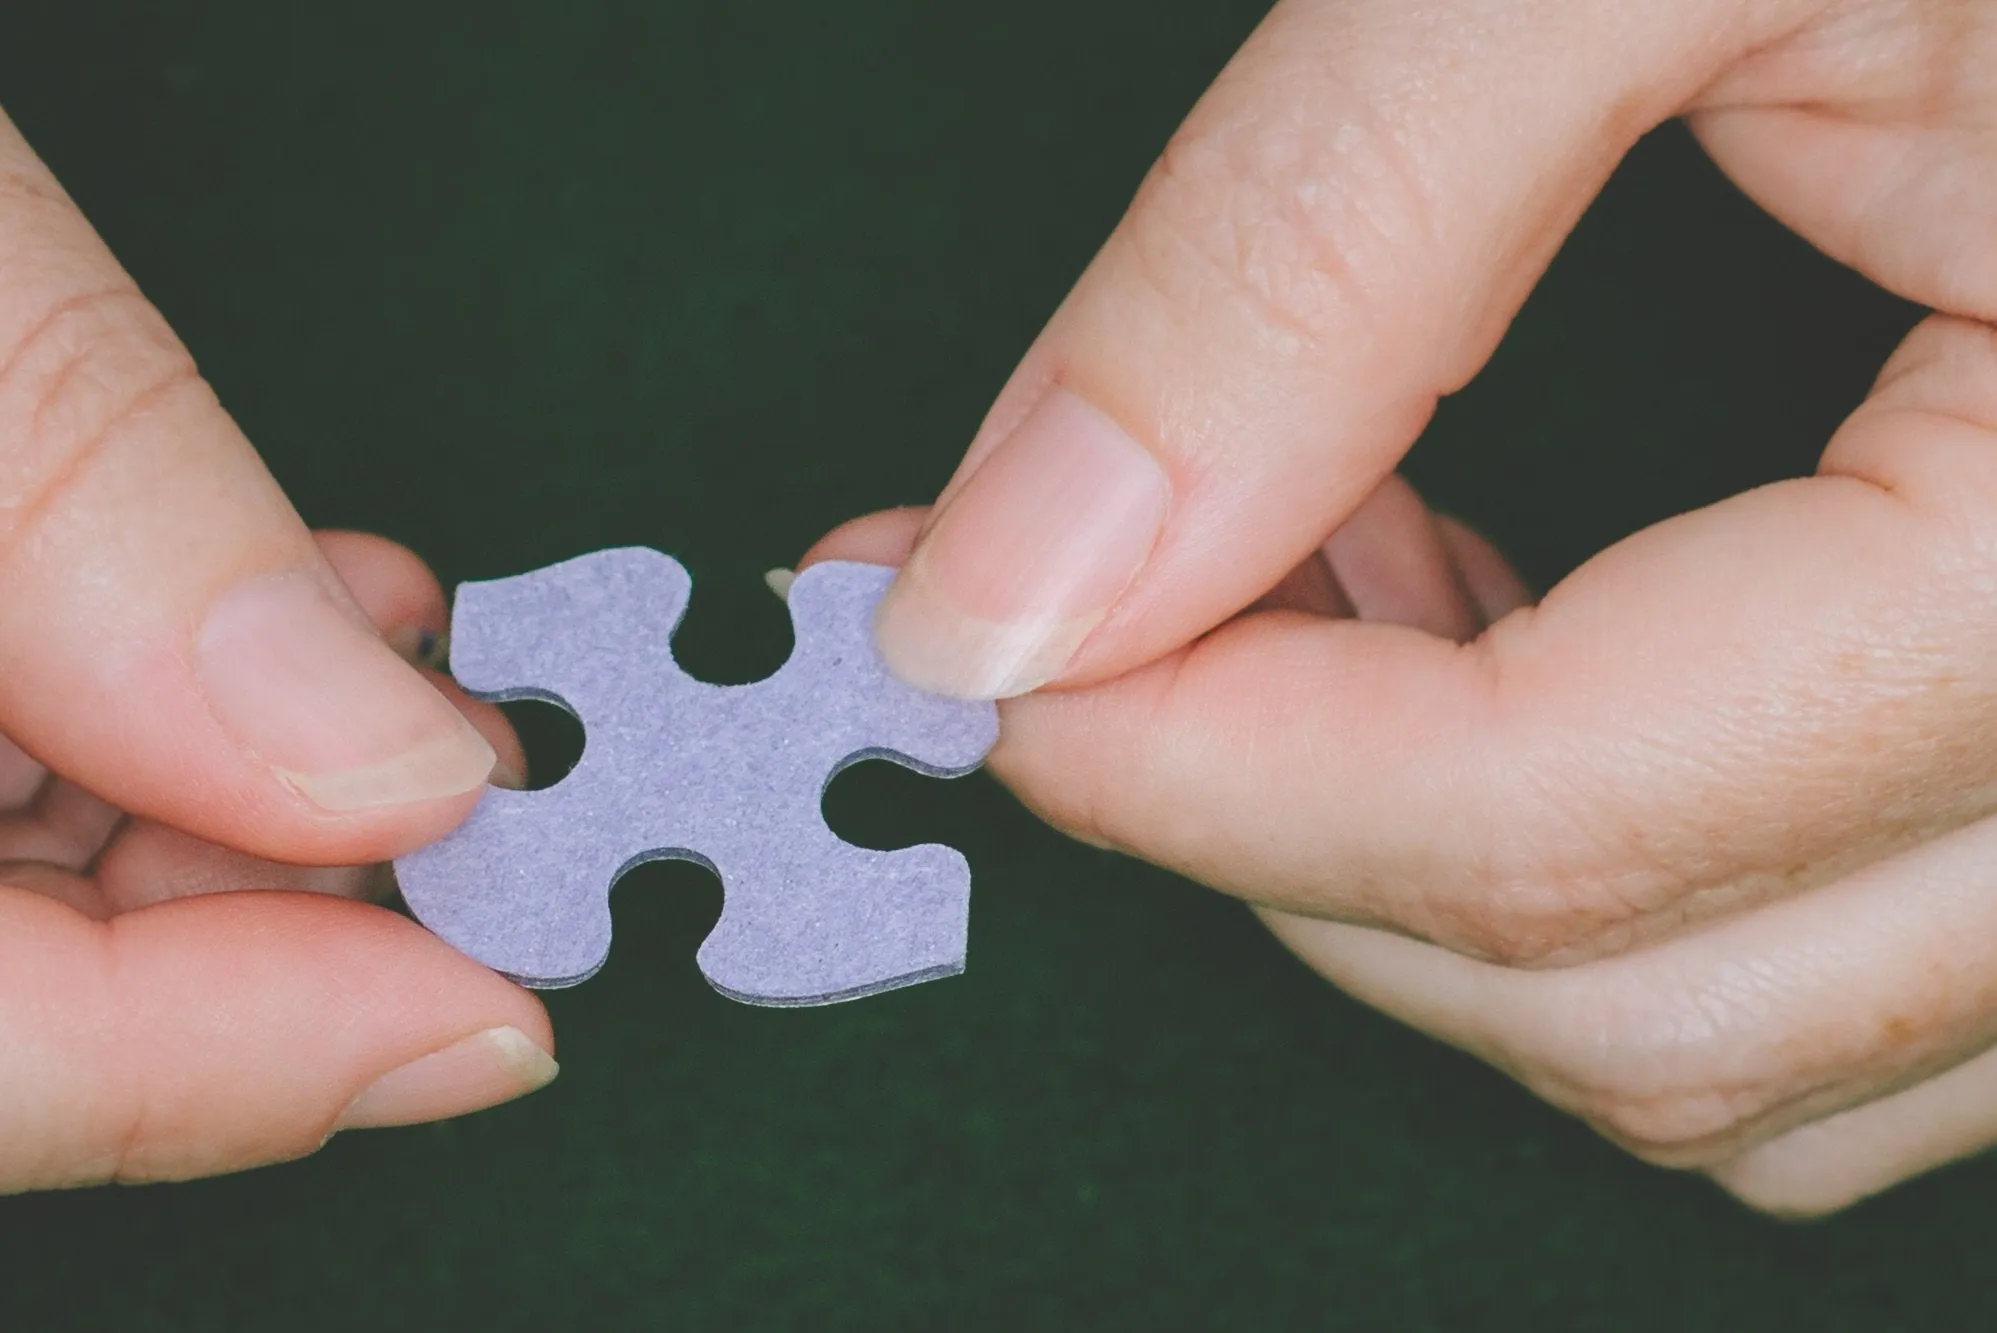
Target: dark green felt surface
[511,281]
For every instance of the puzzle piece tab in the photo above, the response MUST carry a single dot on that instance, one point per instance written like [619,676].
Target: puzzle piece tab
[730,776]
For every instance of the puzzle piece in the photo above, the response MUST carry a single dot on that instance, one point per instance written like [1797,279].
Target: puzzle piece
[729,776]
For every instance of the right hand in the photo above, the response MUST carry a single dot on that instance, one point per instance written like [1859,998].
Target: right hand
[1701,847]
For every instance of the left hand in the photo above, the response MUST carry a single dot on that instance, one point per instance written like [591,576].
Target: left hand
[172,1007]
[223,699]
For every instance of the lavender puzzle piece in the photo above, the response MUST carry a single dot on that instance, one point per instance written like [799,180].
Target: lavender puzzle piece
[730,776]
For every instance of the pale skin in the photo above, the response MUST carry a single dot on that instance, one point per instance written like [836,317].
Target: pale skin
[1698,847]
[221,692]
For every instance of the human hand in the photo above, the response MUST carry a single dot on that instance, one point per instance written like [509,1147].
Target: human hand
[1701,847]
[214,687]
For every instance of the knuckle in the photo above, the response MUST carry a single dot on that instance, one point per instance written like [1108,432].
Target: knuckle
[1661,1072]
[1544,898]
[1513,922]
[71,374]
[1541,874]
[1676,1128]
[1554,874]
[1301,212]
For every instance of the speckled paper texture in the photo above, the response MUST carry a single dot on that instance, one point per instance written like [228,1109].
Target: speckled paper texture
[730,776]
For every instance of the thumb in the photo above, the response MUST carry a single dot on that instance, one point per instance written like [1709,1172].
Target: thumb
[1337,236]
[170,635]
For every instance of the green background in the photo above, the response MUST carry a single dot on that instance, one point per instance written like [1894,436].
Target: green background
[514,281]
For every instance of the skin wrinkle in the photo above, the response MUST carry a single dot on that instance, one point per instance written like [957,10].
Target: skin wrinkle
[32,186]
[52,392]
[44,327]
[1755,1115]
[1785,58]
[1523,942]
[1681,1047]
[1936,416]
[1149,246]
[109,999]
[136,1134]
[1507,872]
[89,452]
[25,510]
[1519,911]
[1281,215]
[1380,898]
[1529,944]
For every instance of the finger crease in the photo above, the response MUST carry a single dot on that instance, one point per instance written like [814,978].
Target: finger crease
[79,459]
[56,314]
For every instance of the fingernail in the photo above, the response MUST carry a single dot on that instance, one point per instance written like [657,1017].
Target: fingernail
[483,1070]
[1027,558]
[326,703]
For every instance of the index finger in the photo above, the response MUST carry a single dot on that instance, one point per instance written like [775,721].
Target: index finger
[1337,237]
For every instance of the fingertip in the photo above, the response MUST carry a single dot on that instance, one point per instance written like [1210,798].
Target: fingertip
[1496,588]
[485,1069]
[882,538]
[150,863]
[402,596]
[393,585]
[1311,588]
[509,767]
[22,776]
[1393,563]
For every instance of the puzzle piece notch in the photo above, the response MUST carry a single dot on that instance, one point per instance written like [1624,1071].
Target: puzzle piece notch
[729,776]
